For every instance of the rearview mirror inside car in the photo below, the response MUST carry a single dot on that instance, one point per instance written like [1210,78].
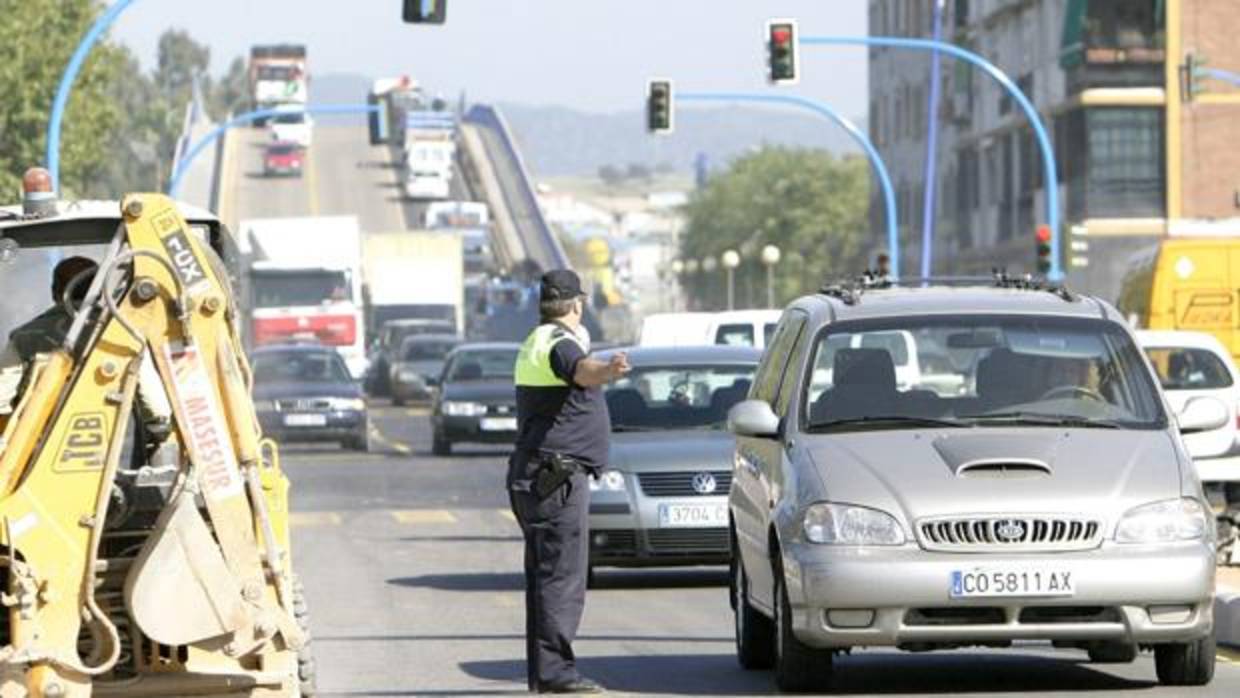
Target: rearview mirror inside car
[1202,414]
[753,418]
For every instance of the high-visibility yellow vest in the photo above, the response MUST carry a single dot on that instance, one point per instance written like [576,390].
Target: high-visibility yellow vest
[533,367]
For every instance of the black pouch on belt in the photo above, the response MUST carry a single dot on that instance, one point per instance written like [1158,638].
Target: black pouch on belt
[554,470]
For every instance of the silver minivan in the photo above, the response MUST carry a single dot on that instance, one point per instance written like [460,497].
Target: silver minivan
[1049,498]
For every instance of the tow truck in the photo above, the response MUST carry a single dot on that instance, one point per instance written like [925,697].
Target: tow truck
[139,556]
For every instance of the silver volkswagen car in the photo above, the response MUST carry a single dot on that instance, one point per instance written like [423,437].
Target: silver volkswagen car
[1046,495]
[664,499]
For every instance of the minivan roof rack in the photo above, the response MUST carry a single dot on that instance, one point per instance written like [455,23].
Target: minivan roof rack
[850,291]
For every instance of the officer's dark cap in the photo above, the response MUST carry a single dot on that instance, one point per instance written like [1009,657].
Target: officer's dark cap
[560,285]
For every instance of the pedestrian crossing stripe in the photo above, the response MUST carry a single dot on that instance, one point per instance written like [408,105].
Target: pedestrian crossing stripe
[314,518]
[424,516]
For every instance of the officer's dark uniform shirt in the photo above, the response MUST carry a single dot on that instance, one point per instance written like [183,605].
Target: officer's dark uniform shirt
[554,414]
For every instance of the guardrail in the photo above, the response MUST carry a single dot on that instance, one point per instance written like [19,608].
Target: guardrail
[541,244]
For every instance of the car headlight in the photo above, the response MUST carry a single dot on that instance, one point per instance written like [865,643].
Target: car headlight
[264,405]
[463,409]
[842,524]
[350,404]
[1164,522]
[609,481]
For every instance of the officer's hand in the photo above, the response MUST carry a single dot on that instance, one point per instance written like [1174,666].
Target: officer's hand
[619,365]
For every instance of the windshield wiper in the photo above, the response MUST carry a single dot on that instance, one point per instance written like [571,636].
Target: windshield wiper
[887,422]
[631,427]
[1048,420]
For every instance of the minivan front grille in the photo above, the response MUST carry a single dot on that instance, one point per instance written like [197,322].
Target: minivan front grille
[994,533]
[688,483]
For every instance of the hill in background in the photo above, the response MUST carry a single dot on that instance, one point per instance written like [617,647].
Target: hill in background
[557,141]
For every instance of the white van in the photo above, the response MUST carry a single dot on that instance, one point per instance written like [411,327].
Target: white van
[675,329]
[748,328]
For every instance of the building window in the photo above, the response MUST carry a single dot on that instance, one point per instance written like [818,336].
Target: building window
[1115,162]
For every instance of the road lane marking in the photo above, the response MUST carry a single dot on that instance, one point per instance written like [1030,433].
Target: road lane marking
[507,514]
[312,180]
[402,449]
[424,516]
[314,518]
[228,181]
[419,412]
[1228,655]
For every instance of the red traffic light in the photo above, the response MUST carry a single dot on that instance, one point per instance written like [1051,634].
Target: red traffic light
[1044,233]
[781,34]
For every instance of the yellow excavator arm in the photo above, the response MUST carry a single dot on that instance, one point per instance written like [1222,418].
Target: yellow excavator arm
[170,573]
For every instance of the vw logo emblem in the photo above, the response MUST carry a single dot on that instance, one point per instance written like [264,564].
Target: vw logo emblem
[704,483]
[1010,531]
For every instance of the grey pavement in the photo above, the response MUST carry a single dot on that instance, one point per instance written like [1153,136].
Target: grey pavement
[412,567]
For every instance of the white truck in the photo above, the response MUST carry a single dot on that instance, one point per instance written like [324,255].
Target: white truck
[305,283]
[414,275]
[429,153]
[278,76]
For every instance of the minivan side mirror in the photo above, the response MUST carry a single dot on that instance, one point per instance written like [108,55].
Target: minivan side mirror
[753,418]
[1202,414]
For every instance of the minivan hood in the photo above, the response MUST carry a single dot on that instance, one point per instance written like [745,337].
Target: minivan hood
[998,470]
[672,450]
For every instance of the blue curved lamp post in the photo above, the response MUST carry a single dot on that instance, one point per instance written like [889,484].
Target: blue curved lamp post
[1224,75]
[78,58]
[880,168]
[1031,113]
[182,165]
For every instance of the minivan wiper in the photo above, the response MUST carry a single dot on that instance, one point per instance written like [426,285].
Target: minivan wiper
[886,422]
[1038,419]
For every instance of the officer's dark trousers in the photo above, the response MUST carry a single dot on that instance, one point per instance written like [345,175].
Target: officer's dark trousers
[557,559]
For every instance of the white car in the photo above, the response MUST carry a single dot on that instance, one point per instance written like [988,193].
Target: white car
[1192,367]
[747,328]
[434,185]
[291,126]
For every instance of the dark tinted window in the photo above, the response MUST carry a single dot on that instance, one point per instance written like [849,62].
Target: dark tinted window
[1181,368]
[300,367]
[282,289]
[677,397]
[427,351]
[488,364]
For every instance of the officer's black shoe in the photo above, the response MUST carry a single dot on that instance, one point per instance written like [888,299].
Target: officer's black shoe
[579,685]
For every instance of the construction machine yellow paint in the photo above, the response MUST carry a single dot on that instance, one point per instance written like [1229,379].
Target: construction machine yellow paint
[140,554]
[1187,284]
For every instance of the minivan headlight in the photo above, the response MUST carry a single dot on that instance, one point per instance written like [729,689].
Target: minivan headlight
[609,481]
[844,524]
[1164,522]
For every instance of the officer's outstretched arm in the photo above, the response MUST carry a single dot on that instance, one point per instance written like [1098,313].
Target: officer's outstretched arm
[592,372]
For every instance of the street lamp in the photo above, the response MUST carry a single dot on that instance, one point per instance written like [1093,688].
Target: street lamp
[691,266]
[709,264]
[731,260]
[678,267]
[770,257]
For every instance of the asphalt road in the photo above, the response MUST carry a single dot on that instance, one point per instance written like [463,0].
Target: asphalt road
[412,568]
[343,175]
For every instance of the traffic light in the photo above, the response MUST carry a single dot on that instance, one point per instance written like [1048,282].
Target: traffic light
[1044,249]
[426,11]
[1194,76]
[782,52]
[659,106]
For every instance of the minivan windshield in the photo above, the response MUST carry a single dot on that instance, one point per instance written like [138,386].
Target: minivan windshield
[968,371]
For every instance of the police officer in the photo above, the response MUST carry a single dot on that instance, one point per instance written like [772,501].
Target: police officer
[563,428]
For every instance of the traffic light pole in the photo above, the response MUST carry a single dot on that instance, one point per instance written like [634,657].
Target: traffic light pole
[182,165]
[79,56]
[880,168]
[1050,170]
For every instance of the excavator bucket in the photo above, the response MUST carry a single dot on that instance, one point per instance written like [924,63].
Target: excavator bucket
[180,590]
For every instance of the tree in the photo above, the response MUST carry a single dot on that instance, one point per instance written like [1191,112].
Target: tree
[36,41]
[809,203]
[232,93]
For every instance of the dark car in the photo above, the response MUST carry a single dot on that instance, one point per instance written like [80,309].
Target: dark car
[418,365]
[283,159]
[387,344]
[476,402]
[305,393]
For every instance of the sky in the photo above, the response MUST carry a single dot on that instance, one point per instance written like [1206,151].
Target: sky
[593,55]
